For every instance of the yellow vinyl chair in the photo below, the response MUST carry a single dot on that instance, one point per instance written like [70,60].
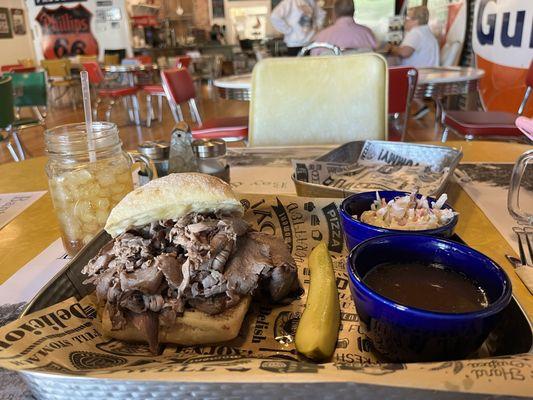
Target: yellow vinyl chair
[111,59]
[80,59]
[318,100]
[59,79]
[27,62]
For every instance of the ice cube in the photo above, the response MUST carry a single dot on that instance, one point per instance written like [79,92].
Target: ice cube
[102,203]
[106,177]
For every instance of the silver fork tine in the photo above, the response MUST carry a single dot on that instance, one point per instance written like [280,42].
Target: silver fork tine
[521,236]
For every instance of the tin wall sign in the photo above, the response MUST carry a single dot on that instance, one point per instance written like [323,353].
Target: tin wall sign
[66,32]
[502,41]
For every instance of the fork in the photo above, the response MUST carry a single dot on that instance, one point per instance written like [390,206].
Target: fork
[525,244]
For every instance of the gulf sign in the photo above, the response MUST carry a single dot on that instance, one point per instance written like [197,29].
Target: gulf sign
[503,45]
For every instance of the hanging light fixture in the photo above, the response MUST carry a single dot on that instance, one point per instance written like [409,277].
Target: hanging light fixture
[179,9]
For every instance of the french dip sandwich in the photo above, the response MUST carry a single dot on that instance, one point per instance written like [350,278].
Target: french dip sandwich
[183,265]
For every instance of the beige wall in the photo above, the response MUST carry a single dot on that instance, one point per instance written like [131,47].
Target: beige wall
[19,46]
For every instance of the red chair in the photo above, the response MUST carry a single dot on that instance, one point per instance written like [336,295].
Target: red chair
[145,59]
[157,90]
[179,88]
[487,124]
[96,78]
[402,85]
[9,67]
[183,62]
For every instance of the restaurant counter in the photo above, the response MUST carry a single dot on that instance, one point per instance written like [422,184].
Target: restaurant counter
[204,49]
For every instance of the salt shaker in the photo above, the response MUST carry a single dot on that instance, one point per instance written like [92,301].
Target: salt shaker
[158,152]
[181,157]
[211,157]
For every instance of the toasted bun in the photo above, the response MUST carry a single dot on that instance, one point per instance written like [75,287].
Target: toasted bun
[194,327]
[171,197]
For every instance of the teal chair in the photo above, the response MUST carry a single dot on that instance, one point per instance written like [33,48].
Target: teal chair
[8,129]
[29,89]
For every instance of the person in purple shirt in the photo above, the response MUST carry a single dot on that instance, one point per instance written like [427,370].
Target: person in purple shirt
[345,33]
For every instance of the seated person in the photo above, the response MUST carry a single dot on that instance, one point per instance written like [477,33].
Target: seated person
[345,33]
[419,47]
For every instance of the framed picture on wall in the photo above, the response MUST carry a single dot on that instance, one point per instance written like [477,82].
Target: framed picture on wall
[19,25]
[5,24]
[217,7]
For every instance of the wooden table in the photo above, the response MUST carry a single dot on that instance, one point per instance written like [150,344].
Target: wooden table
[36,228]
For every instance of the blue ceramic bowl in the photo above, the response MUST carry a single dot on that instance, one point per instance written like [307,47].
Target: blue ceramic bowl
[406,334]
[357,231]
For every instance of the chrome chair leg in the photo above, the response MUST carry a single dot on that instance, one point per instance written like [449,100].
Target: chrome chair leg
[194,111]
[72,98]
[38,113]
[445,134]
[135,102]
[125,101]
[12,152]
[149,111]
[108,111]
[160,108]
[95,108]
[174,114]
[18,145]
[180,112]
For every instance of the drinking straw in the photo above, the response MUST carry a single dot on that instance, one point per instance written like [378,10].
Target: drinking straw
[88,114]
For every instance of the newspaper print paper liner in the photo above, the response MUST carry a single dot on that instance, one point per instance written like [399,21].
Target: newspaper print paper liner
[62,354]
[438,159]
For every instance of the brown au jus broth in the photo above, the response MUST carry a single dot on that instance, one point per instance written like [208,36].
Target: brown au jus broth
[431,287]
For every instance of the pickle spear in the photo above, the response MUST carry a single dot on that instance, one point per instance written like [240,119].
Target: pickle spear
[318,329]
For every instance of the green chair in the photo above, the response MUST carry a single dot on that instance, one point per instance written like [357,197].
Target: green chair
[30,91]
[7,118]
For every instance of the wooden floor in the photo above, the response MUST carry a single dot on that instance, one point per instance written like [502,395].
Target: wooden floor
[210,106]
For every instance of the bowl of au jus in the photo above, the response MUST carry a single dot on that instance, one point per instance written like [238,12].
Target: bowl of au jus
[369,214]
[423,298]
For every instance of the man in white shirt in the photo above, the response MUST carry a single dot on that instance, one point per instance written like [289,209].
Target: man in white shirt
[298,20]
[419,47]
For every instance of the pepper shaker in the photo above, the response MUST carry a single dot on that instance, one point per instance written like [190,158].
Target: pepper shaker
[158,152]
[181,156]
[211,157]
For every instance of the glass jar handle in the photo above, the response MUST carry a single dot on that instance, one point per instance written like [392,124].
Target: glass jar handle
[516,212]
[141,158]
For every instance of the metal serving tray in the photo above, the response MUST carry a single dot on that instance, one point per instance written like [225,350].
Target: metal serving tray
[438,157]
[513,336]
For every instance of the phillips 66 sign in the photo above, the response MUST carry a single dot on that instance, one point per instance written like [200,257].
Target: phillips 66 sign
[503,45]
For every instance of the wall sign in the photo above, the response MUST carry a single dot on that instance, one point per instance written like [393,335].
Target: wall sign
[19,25]
[66,32]
[5,24]
[502,40]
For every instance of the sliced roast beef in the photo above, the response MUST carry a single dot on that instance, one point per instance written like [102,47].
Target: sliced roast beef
[245,267]
[200,261]
[170,266]
[210,305]
[284,274]
[145,280]
[148,324]
[103,283]
[132,301]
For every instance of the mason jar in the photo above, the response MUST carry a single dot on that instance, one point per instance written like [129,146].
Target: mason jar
[83,190]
